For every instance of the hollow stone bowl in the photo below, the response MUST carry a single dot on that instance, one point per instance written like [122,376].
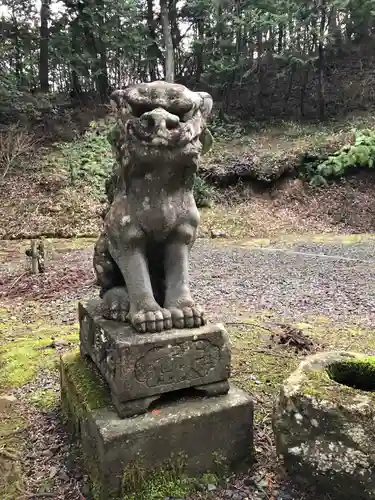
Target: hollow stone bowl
[325,430]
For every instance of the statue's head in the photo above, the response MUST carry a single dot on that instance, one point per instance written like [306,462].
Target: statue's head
[163,121]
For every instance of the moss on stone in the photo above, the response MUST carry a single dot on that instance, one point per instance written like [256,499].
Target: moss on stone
[90,388]
[83,390]
[357,373]
[326,383]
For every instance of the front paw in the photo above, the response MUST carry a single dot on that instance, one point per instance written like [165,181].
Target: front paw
[115,304]
[151,321]
[190,316]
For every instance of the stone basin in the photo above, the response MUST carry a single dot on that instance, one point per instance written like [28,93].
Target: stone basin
[324,424]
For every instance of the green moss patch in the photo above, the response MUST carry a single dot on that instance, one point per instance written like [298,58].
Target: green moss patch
[158,485]
[90,389]
[44,399]
[29,351]
[167,482]
[358,373]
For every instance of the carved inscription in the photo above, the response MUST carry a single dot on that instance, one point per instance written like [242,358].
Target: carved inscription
[85,329]
[173,364]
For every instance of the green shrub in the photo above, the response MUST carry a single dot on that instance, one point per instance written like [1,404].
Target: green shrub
[359,154]
[88,159]
[226,128]
[203,192]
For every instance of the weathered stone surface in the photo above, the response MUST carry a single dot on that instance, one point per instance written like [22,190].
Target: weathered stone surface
[140,367]
[141,257]
[206,433]
[325,431]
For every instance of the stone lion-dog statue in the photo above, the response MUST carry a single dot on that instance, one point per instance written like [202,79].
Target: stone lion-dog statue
[141,257]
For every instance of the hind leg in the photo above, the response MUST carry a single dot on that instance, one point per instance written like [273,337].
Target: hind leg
[115,299]
[106,270]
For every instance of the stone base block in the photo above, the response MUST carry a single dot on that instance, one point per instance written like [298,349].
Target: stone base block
[203,431]
[140,367]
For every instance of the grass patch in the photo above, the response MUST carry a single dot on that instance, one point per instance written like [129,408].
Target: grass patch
[167,482]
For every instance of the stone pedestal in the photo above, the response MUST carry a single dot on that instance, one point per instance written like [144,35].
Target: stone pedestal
[139,368]
[205,432]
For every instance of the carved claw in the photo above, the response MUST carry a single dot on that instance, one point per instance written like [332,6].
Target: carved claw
[151,321]
[187,317]
[115,304]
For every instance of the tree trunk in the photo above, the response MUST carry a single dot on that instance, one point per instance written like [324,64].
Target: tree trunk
[76,85]
[239,37]
[17,54]
[168,42]
[152,49]
[102,78]
[303,89]
[199,48]
[176,35]
[280,39]
[43,46]
[321,82]
[260,67]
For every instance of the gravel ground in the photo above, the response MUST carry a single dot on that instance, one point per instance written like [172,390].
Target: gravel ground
[332,280]
[336,281]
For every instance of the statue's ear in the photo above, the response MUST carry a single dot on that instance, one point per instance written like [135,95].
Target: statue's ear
[206,139]
[206,104]
[119,103]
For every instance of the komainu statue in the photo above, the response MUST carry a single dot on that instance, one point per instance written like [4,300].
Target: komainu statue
[141,257]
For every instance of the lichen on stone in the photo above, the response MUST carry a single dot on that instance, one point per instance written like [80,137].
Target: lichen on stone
[325,429]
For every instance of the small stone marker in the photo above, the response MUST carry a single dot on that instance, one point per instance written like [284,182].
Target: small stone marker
[146,338]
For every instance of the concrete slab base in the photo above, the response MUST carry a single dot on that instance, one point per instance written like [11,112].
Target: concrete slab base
[202,431]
